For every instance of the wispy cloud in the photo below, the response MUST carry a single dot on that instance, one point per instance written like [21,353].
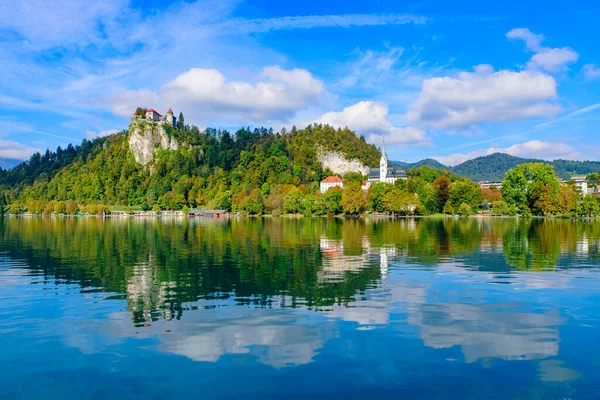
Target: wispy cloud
[581,111]
[591,71]
[240,25]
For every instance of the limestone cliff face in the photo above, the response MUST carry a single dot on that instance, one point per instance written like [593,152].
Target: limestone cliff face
[337,163]
[146,137]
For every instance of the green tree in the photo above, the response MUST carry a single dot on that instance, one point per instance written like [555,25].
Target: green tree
[60,207]
[377,193]
[332,199]
[525,185]
[354,200]
[180,122]
[500,208]
[465,210]
[567,199]
[71,207]
[448,209]
[466,192]
[17,207]
[442,185]
[401,202]
[589,207]
[292,202]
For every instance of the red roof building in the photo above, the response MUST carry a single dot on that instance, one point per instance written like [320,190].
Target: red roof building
[331,179]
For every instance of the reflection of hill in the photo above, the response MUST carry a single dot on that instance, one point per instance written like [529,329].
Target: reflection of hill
[161,267]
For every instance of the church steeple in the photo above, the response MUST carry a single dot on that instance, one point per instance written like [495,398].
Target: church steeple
[383,164]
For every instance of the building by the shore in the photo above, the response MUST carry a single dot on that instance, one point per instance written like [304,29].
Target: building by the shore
[331,181]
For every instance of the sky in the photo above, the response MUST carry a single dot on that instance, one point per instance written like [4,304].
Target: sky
[434,79]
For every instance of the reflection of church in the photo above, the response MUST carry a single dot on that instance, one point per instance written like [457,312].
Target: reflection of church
[336,263]
[147,296]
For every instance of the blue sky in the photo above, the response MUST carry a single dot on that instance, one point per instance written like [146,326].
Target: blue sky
[448,81]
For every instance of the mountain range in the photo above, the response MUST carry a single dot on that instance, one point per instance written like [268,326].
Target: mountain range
[494,166]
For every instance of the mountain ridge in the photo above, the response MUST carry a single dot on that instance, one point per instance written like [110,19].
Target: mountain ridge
[493,167]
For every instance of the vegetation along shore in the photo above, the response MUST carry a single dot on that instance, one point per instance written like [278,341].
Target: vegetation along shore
[154,166]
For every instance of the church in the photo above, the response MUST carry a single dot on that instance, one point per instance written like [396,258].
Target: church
[384,173]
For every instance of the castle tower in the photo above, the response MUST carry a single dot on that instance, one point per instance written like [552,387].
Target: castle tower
[171,118]
[383,164]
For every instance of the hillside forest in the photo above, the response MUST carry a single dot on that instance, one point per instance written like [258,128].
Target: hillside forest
[260,172]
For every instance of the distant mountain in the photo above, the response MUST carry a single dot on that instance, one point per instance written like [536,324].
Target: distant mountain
[430,162]
[495,166]
[488,168]
[6,163]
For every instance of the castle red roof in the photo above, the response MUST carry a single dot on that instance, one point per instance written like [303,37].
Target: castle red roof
[170,111]
[332,179]
[153,110]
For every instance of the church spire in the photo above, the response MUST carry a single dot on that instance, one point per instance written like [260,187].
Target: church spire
[383,163]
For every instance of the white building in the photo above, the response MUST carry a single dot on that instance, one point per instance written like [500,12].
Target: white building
[488,184]
[582,183]
[153,115]
[384,173]
[170,118]
[331,181]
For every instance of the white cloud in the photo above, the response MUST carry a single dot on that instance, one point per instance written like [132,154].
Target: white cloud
[550,59]
[276,95]
[537,149]
[591,71]
[371,118]
[319,21]
[16,151]
[482,96]
[532,41]
[92,135]
[43,24]
[553,59]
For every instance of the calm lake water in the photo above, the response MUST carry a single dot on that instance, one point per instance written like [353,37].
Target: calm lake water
[298,309]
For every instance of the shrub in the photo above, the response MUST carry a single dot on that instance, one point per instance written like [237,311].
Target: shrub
[465,210]
[500,208]
[71,207]
[448,209]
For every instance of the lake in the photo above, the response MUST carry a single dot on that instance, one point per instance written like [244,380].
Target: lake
[299,308]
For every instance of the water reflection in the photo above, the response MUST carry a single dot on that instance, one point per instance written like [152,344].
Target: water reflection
[290,293]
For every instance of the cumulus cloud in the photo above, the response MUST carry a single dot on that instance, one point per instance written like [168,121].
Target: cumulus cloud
[16,151]
[537,149]
[372,119]
[591,71]
[276,95]
[483,96]
[550,59]
[92,135]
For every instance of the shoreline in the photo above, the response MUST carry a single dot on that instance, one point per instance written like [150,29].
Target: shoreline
[295,216]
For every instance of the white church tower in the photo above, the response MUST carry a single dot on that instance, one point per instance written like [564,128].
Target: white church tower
[383,164]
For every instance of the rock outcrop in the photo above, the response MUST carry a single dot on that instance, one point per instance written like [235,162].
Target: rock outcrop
[145,137]
[338,163]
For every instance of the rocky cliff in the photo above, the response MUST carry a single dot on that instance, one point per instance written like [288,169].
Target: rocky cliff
[146,137]
[338,164]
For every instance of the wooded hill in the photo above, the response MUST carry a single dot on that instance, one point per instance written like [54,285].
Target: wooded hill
[209,168]
[494,167]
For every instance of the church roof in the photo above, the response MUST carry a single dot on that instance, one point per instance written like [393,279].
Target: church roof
[170,111]
[332,179]
[392,172]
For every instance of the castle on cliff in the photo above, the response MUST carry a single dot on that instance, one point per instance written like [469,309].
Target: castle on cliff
[154,116]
